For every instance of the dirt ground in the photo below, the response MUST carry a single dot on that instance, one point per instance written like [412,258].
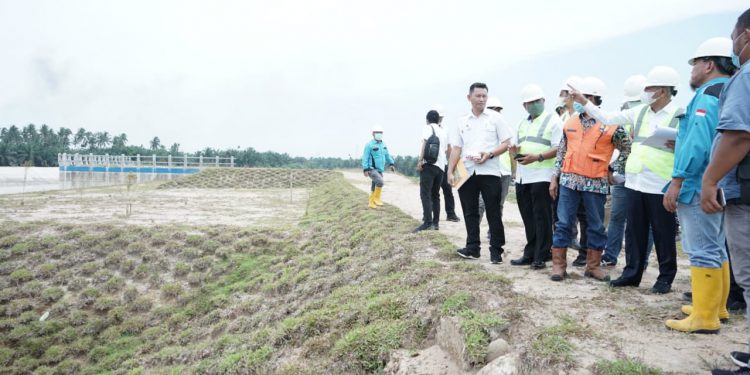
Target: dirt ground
[243,207]
[624,322]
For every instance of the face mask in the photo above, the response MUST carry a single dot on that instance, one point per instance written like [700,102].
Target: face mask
[578,107]
[535,109]
[378,136]
[736,57]
[647,97]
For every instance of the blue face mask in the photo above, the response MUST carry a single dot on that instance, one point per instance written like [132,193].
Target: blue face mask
[736,57]
[578,107]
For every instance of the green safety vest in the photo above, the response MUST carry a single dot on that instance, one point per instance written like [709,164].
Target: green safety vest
[535,138]
[658,161]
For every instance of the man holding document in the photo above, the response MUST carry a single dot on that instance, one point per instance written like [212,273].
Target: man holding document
[478,140]
[647,171]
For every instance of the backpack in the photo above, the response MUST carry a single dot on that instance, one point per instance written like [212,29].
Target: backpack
[432,148]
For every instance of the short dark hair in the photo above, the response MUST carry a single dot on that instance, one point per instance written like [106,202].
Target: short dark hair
[433,117]
[477,85]
[723,64]
[597,100]
[743,21]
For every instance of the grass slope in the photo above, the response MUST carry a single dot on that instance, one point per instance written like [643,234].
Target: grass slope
[251,178]
[335,294]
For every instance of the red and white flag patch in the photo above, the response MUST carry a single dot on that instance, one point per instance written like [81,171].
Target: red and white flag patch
[700,112]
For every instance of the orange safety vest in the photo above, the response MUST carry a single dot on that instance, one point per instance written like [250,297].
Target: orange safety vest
[588,152]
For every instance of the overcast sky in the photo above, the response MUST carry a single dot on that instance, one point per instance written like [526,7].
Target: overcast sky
[312,77]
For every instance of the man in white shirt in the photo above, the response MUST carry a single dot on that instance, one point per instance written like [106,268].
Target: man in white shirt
[536,143]
[430,170]
[647,172]
[478,139]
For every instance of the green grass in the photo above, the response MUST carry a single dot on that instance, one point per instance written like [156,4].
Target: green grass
[551,346]
[624,367]
[342,289]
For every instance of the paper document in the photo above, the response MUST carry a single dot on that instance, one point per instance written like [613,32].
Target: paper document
[460,175]
[660,137]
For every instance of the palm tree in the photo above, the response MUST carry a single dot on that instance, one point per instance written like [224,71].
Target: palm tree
[155,144]
[80,138]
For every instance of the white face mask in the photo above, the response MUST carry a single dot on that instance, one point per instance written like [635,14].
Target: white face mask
[647,97]
[378,136]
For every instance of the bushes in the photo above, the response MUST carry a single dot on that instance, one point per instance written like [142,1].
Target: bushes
[20,276]
[52,294]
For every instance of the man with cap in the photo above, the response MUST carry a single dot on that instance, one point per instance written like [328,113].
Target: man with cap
[535,145]
[647,171]
[480,137]
[375,159]
[566,101]
[582,174]
[703,234]
[730,169]
[450,203]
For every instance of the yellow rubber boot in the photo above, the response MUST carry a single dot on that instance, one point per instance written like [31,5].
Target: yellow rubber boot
[723,313]
[371,203]
[378,190]
[706,283]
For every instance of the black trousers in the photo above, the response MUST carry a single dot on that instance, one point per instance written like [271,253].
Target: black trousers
[535,205]
[490,188]
[430,180]
[646,210]
[736,293]
[450,204]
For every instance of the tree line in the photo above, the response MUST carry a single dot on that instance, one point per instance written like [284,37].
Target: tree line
[39,147]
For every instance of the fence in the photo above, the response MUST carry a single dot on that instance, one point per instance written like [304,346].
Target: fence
[152,161]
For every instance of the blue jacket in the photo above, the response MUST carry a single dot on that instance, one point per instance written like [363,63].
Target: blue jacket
[696,134]
[376,156]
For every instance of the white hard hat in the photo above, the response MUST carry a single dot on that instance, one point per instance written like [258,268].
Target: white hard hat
[662,76]
[493,102]
[377,129]
[574,81]
[531,92]
[719,46]
[592,86]
[439,109]
[634,86]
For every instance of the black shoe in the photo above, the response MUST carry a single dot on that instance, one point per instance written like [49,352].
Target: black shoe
[736,307]
[661,287]
[537,265]
[453,218]
[575,245]
[740,371]
[688,297]
[424,226]
[496,259]
[740,358]
[522,261]
[468,254]
[620,282]
[580,260]
[435,227]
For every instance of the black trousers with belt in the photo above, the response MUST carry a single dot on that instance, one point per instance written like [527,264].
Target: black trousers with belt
[646,210]
[535,205]
[490,188]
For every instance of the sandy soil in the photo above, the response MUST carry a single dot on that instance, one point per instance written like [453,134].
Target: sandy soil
[149,206]
[624,322]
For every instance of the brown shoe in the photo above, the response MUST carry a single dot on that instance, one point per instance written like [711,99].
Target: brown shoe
[559,263]
[593,266]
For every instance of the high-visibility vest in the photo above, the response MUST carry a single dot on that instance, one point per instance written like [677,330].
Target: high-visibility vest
[535,138]
[658,161]
[588,150]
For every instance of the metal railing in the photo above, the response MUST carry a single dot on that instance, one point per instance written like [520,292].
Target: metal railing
[143,161]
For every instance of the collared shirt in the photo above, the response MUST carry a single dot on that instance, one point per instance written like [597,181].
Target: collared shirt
[734,115]
[696,134]
[526,175]
[442,135]
[483,133]
[573,181]
[646,181]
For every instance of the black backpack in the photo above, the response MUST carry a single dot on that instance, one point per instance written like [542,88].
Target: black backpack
[432,148]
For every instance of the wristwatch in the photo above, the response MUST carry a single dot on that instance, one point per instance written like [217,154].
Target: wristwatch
[491,154]
[541,158]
